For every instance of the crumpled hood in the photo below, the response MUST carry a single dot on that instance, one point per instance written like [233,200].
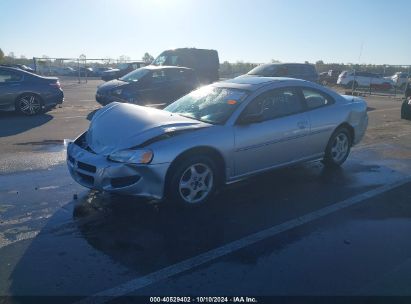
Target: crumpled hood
[109,85]
[120,126]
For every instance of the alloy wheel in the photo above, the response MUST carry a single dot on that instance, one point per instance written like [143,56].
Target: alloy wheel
[29,105]
[340,147]
[195,183]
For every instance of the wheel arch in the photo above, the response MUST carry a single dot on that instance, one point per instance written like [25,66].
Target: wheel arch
[211,152]
[350,129]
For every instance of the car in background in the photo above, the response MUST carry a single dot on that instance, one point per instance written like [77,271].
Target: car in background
[330,77]
[28,93]
[98,71]
[303,71]
[355,79]
[123,69]
[65,71]
[151,85]
[218,134]
[400,79]
[85,72]
[204,62]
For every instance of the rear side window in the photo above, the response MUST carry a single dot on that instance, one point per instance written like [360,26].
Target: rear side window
[159,76]
[315,99]
[10,76]
[175,75]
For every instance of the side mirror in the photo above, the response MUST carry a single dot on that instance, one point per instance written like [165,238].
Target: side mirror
[250,118]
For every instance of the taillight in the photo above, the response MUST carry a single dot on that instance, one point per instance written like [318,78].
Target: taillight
[56,84]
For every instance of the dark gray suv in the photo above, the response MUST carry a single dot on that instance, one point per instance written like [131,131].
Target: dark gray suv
[303,71]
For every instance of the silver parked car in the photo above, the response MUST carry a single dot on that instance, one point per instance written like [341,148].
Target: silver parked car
[218,134]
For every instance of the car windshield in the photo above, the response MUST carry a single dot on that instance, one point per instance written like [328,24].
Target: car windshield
[160,60]
[209,104]
[167,59]
[264,70]
[135,75]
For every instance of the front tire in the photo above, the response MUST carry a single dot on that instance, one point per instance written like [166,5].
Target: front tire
[29,104]
[193,182]
[338,147]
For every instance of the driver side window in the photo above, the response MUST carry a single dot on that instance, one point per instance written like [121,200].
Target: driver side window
[159,76]
[275,103]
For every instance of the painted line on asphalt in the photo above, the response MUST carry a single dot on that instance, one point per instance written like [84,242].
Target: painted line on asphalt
[71,117]
[384,110]
[191,263]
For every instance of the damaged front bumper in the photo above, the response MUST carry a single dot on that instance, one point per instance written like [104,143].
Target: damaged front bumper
[95,171]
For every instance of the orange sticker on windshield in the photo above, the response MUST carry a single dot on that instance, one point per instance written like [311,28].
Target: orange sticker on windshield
[232,102]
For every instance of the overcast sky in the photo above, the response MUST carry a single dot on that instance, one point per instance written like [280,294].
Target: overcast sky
[248,30]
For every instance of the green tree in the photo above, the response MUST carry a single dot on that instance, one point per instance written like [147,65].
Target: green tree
[147,58]
[1,55]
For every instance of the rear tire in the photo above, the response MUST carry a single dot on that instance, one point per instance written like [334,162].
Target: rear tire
[29,104]
[193,182]
[338,147]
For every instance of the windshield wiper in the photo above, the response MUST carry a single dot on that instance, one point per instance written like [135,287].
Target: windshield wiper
[195,118]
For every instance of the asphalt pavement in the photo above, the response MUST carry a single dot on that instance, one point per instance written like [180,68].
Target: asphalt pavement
[301,231]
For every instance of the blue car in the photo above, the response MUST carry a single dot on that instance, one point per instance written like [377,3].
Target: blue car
[150,85]
[28,93]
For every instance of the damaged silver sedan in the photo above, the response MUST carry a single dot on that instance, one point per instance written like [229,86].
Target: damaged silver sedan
[218,134]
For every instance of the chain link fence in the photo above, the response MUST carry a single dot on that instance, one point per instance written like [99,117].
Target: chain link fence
[82,69]
[355,79]
[384,80]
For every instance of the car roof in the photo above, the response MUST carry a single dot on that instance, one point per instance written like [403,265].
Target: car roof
[7,67]
[161,67]
[252,83]
[285,63]
[18,70]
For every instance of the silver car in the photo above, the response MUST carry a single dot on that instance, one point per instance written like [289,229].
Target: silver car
[218,134]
